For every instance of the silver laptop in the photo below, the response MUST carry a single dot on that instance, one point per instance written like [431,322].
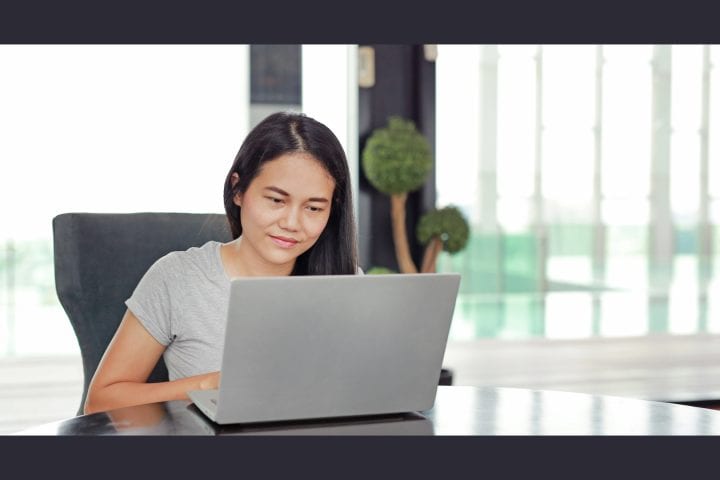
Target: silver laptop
[312,347]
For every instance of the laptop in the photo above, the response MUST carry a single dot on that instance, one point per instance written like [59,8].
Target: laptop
[331,346]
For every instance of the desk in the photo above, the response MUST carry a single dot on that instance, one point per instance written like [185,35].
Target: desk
[458,410]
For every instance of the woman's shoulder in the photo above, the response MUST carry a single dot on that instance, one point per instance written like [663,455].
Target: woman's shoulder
[194,257]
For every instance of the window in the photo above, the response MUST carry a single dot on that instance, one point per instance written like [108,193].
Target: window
[597,187]
[104,128]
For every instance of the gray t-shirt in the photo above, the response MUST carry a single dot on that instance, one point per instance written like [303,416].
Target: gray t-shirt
[182,302]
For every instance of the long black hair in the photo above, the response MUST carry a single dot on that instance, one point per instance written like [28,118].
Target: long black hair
[335,251]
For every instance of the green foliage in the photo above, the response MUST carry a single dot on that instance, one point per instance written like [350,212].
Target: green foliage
[448,224]
[397,159]
[380,271]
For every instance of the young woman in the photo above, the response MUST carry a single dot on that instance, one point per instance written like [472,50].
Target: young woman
[289,205]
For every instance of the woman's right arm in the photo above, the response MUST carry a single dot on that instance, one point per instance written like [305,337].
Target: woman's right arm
[121,376]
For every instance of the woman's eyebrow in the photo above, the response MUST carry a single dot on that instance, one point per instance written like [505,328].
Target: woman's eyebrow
[278,190]
[286,194]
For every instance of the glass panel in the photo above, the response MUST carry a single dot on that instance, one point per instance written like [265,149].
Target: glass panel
[457,100]
[686,82]
[6,297]
[516,120]
[514,214]
[715,212]
[713,305]
[569,254]
[573,306]
[623,314]
[625,211]
[685,177]
[626,128]
[476,316]
[686,85]
[683,301]
[104,128]
[567,210]
[521,262]
[38,323]
[524,315]
[568,86]
[568,315]
[480,263]
[568,154]
[714,127]
[626,265]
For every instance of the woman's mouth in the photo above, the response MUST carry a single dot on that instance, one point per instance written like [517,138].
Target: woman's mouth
[283,242]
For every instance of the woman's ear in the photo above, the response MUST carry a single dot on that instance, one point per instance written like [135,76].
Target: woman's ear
[237,198]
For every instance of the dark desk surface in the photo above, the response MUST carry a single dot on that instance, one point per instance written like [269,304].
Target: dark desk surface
[458,411]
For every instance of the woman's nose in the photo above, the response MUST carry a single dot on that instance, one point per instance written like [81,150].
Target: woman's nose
[291,220]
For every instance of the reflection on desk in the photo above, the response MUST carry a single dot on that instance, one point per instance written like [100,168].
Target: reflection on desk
[457,411]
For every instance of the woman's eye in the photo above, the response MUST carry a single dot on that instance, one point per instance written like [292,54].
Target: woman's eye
[314,209]
[274,199]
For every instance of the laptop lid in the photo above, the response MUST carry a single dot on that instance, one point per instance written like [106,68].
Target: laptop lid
[333,346]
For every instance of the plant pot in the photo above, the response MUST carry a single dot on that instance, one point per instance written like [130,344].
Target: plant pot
[445,377]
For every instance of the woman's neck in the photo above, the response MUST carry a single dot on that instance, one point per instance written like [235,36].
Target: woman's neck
[239,260]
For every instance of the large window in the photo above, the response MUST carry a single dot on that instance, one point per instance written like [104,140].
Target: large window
[98,128]
[591,185]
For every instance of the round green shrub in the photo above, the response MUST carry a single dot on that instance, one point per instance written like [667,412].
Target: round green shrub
[396,159]
[448,224]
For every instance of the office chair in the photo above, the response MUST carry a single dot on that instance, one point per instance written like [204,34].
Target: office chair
[99,260]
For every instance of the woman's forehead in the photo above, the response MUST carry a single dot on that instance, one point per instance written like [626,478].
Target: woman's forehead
[298,171]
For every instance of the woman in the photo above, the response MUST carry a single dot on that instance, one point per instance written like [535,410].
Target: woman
[289,204]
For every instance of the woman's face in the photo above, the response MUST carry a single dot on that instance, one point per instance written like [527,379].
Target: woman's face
[284,210]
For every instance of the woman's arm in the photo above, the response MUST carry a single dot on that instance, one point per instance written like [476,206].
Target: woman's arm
[120,379]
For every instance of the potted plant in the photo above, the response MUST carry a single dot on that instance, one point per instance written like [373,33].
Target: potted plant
[441,229]
[396,160]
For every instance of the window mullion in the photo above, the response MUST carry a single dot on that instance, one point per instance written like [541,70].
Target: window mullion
[539,227]
[661,244]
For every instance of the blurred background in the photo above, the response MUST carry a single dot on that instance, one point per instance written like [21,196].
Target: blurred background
[589,175]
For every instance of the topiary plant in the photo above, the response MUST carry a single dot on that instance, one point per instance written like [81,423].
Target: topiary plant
[396,160]
[441,229]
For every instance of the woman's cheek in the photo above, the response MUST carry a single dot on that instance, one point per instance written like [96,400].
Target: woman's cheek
[317,227]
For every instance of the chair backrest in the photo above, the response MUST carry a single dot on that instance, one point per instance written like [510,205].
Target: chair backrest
[99,260]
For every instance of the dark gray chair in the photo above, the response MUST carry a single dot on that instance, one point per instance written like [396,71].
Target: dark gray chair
[100,258]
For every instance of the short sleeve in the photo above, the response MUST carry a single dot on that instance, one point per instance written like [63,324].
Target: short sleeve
[151,302]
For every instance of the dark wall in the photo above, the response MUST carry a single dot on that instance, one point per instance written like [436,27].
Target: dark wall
[404,86]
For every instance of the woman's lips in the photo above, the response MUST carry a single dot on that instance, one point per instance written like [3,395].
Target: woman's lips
[283,242]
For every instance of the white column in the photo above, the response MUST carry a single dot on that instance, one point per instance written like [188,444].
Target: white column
[244,88]
[598,259]
[539,227]
[660,248]
[486,205]
[704,227]
[599,231]
[705,230]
